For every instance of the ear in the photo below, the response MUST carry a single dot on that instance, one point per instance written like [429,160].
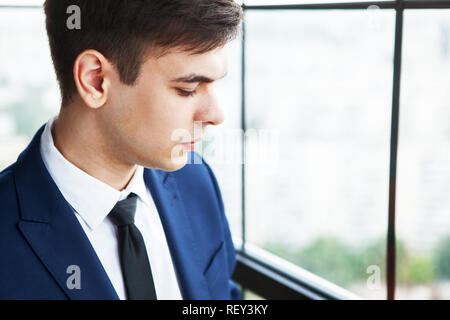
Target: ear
[91,78]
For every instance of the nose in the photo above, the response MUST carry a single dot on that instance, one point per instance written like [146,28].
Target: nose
[210,112]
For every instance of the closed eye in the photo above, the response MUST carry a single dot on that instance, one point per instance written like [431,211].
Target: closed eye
[186,93]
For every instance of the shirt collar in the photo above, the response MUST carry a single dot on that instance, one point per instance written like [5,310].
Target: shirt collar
[91,198]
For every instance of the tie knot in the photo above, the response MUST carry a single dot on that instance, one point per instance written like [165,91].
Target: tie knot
[123,212]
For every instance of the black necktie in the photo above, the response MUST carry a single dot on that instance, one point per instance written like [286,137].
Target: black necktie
[133,255]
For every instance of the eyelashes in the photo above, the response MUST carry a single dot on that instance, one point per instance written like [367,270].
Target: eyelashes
[185,93]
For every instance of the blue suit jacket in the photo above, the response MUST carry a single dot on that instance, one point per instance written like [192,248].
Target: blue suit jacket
[40,235]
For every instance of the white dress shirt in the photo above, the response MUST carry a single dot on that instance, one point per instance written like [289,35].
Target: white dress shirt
[92,200]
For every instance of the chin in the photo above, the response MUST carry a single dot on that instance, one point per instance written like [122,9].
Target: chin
[174,161]
[171,164]
[174,168]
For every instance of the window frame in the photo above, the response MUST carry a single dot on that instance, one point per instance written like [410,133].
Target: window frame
[252,270]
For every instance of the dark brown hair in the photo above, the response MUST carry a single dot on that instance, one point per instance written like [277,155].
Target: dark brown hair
[126,31]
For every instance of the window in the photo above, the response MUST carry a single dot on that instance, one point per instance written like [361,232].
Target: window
[317,191]
[29,93]
[337,140]
[423,200]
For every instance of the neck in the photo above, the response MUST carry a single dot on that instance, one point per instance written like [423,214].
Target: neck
[78,139]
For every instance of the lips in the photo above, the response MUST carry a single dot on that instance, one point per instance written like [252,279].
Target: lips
[190,146]
[192,142]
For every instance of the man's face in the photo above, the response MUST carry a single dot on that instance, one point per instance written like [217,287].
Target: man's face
[148,122]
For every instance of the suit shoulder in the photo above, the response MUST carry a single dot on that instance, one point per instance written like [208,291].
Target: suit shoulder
[7,179]
[8,198]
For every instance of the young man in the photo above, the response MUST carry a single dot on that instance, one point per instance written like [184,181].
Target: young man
[102,204]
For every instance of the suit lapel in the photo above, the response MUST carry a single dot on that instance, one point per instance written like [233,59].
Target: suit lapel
[52,230]
[182,243]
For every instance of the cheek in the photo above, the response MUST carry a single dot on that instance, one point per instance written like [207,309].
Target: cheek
[159,114]
[150,123]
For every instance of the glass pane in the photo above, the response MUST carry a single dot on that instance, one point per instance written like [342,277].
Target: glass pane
[319,93]
[28,89]
[423,200]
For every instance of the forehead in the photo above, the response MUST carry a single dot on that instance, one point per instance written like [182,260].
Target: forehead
[176,63]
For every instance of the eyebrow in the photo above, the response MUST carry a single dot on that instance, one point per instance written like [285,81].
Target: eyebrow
[193,77]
